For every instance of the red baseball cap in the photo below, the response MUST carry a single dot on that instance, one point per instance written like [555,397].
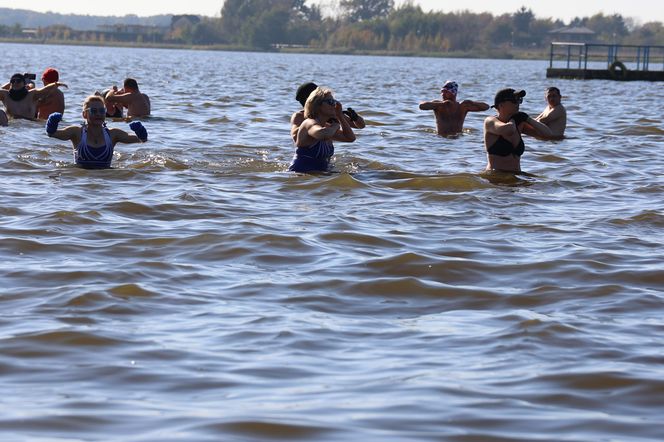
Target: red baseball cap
[50,75]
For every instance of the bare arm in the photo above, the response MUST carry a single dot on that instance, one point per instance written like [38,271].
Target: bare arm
[120,136]
[46,90]
[296,121]
[430,105]
[533,127]
[358,123]
[474,106]
[124,99]
[345,133]
[494,126]
[320,132]
[555,114]
[69,133]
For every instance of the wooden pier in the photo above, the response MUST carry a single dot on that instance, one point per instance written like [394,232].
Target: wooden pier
[586,61]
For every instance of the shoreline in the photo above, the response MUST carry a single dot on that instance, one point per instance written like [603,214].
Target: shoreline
[502,54]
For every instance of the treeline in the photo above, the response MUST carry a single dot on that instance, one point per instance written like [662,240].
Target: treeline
[11,19]
[376,25]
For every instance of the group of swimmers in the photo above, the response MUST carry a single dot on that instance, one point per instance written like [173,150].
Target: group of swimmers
[322,121]
[93,142]
[313,129]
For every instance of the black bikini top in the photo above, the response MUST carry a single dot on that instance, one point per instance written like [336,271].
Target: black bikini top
[504,148]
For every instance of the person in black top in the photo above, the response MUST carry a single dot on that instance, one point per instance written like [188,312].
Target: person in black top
[502,132]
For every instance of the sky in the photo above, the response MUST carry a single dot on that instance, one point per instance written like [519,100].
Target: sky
[640,10]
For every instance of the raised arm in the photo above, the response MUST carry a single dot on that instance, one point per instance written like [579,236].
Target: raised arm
[345,133]
[124,99]
[120,136]
[474,106]
[531,126]
[493,125]
[356,119]
[296,121]
[430,105]
[69,133]
[46,90]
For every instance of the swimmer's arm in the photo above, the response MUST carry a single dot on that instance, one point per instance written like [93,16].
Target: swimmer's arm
[430,105]
[124,99]
[359,123]
[555,114]
[6,86]
[67,134]
[120,136]
[320,132]
[494,126]
[345,133]
[46,90]
[474,106]
[535,128]
[293,132]
[296,121]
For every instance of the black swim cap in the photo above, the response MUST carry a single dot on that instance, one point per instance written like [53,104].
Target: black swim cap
[304,91]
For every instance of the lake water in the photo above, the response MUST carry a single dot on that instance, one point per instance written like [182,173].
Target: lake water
[199,291]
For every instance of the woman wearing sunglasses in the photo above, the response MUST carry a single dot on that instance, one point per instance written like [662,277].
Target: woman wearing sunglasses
[502,133]
[93,141]
[324,124]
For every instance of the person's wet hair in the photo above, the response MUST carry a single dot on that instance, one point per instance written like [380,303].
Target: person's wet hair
[304,91]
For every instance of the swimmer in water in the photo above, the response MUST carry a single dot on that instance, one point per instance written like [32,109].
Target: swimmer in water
[303,92]
[21,102]
[450,114]
[502,133]
[555,114]
[324,123]
[93,142]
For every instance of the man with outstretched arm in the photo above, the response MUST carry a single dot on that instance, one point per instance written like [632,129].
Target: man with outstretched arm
[450,114]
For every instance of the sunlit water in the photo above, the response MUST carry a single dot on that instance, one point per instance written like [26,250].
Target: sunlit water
[198,291]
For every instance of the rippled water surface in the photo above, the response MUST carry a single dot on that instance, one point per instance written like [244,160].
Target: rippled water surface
[199,291]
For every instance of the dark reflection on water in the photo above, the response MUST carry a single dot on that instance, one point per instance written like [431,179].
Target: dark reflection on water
[199,291]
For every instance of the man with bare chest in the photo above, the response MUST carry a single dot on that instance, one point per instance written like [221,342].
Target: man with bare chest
[450,114]
[21,102]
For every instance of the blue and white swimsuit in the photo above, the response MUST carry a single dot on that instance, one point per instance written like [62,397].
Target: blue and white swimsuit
[90,157]
[313,158]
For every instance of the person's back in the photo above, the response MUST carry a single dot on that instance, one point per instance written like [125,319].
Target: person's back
[136,102]
[55,101]
[139,105]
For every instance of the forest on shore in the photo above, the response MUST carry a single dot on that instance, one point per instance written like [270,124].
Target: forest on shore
[366,26]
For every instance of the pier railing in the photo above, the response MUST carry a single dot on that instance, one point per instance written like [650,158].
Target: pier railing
[605,61]
[590,56]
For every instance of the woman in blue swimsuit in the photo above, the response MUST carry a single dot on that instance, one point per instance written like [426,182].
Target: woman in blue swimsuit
[93,141]
[502,133]
[324,123]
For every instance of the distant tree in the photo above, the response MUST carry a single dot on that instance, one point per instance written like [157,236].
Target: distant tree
[522,21]
[609,29]
[651,33]
[361,10]
[500,31]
